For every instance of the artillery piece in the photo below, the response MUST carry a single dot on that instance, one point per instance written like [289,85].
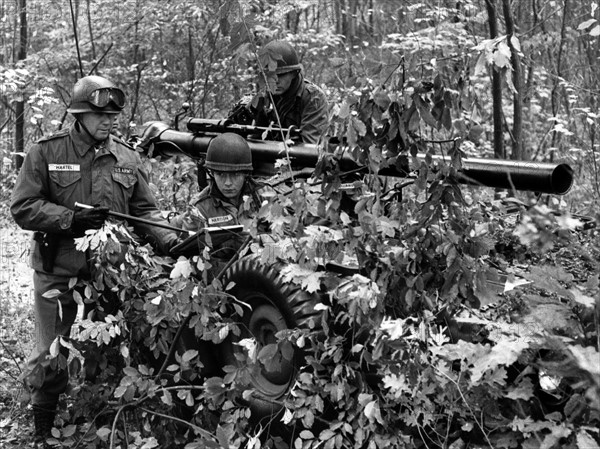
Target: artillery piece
[276,304]
[504,174]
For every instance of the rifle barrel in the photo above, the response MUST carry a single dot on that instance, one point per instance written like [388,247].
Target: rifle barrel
[138,219]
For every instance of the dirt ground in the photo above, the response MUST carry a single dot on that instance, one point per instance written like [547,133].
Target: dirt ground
[16,331]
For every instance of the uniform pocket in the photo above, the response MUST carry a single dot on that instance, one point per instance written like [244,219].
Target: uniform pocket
[65,178]
[125,179]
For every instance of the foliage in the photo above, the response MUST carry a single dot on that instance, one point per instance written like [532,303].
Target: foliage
[415,350]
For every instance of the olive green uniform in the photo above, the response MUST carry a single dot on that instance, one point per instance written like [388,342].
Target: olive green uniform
[58,171]
[304,105]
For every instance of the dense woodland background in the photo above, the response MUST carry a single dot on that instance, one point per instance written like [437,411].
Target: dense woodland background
[459,364]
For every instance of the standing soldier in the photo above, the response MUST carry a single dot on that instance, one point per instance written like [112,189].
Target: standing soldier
[83,163]
[289,100]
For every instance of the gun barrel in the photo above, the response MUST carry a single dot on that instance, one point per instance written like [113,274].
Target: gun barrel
[138,219]
[518,175]
[497,173]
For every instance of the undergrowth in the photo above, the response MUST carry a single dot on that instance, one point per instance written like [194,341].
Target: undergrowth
[415,348]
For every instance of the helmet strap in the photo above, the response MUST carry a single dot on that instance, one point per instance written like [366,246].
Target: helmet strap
[87,131]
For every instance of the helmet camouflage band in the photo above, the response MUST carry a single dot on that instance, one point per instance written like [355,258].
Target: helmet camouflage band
[96,94]
[281,53]
[229,152]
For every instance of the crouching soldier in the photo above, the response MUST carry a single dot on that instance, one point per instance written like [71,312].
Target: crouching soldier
[231,196]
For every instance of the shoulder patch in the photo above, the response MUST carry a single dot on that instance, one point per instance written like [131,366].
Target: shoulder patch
[62,133]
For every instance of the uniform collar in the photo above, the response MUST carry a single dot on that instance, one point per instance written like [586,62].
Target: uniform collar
[83,142]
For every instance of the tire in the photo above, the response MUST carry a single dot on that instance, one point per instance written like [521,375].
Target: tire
[275,305]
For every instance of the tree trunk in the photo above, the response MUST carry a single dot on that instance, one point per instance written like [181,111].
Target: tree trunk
[91,29]
[293,20]
[352,20]
[517,134]
[496,86]
[558,78]
[20,105]
[340,18]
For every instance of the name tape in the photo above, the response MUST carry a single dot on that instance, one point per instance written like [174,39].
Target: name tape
[222,219]
[63,167]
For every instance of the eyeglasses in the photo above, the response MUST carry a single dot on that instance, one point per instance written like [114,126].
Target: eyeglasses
[102,97]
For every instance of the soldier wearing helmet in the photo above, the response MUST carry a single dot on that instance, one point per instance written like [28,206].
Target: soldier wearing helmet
[84,163]
[231,196]
[288,99]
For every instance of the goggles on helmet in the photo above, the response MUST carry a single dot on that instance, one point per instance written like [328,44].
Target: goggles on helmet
[102,97]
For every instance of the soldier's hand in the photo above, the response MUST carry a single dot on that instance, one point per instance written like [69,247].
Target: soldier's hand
[84,219]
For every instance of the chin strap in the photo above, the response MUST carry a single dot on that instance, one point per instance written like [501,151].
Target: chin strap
[79,123]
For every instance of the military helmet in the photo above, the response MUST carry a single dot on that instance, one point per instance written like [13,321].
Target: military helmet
[96,94]
[229,152]
[284,54]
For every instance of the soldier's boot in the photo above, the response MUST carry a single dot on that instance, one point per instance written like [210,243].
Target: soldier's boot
[43,419]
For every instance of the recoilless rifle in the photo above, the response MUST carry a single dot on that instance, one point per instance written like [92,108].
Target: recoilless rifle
[551,178]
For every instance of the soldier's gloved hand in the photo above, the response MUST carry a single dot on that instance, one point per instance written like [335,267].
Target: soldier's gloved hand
[84,219]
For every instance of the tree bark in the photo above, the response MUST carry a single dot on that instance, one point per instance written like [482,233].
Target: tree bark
[496,86]
[555,96]
[517,134]
[20,105]
[91,29]
[352,19]
[340,25]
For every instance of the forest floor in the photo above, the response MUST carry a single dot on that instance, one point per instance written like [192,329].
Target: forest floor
[16,334]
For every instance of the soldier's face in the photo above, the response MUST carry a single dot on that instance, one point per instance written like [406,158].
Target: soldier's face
[98,124]
[229,183]
[284,81]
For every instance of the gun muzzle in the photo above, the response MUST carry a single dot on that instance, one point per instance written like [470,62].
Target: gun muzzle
[542,177]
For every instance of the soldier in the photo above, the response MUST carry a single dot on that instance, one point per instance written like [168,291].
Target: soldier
[83,163]
[293,99]
[221,203]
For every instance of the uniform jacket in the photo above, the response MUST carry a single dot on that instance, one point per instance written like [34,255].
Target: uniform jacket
[65,168]
[304,106]
[212,209]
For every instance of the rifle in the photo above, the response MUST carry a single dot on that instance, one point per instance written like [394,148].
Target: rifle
[159,139]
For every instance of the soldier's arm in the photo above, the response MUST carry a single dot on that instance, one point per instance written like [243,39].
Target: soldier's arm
[315,118]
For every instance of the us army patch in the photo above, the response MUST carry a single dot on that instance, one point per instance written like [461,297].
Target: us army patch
[63,167]
[217,220]
[126,170]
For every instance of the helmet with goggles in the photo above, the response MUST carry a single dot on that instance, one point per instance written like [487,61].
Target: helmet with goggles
[229,152]
[96,94]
